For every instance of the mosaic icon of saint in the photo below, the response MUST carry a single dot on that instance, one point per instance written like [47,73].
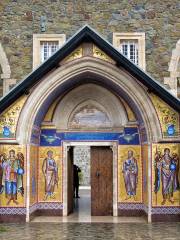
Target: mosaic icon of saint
[166,171]
[13,169]
[50,172]
[130,172]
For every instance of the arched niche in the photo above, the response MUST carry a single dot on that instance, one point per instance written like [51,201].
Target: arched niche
[100,102]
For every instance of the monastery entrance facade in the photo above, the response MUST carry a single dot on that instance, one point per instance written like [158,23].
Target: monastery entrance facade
[89,94]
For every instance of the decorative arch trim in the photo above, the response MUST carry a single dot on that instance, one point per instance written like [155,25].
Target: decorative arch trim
[69,74]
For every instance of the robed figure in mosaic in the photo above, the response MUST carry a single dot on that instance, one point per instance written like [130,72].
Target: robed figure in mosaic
[50,171]
[166,171]
[130,172]
[20,159]
[13,170]
[2,158]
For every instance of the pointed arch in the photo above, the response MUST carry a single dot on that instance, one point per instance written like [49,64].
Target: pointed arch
[73,73]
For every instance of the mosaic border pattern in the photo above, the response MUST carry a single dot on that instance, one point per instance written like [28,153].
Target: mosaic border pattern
[166,210]
[12,211]
[51,205]
[132,206]
[33,208]
[146,209]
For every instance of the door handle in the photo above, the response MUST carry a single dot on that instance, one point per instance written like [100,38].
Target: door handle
[97,174]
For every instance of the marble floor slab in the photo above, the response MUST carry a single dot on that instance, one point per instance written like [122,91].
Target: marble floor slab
[81,226]
[94,231]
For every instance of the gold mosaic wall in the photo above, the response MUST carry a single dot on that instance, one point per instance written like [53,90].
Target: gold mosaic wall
[9,118]
[34,158]
[124,183]
[165,174]
[98,53]
[77,53]
[169,118]
[50,182]
[12,175]
[145,173]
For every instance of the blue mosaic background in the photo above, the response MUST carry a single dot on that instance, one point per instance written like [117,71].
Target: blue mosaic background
[49,137]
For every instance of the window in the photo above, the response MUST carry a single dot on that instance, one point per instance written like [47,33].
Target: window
[132,45]
[44,45]
[130,50]
[48,48]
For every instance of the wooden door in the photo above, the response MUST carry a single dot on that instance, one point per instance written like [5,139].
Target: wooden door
[70,189]
[101,181]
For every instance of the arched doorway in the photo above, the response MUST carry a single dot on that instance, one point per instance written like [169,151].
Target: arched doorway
[119,84]
[91,116]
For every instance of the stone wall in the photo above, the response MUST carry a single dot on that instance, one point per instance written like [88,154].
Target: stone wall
[21,18]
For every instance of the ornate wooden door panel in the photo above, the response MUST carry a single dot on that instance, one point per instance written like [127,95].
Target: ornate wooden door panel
[101,181]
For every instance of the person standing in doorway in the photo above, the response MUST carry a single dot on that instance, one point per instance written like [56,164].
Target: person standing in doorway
[76,171]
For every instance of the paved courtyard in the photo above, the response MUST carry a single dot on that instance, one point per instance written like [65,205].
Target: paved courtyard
[124,231]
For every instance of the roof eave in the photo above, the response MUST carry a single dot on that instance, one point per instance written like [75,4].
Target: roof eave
[88,34]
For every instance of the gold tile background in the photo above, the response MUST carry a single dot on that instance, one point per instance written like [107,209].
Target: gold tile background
[34,158]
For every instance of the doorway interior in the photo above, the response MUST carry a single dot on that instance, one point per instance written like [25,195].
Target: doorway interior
[97,190]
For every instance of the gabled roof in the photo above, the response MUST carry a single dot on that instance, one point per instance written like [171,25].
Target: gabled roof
[88,34]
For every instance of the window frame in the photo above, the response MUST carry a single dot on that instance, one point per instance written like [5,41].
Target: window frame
[137,36]
[38,38]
